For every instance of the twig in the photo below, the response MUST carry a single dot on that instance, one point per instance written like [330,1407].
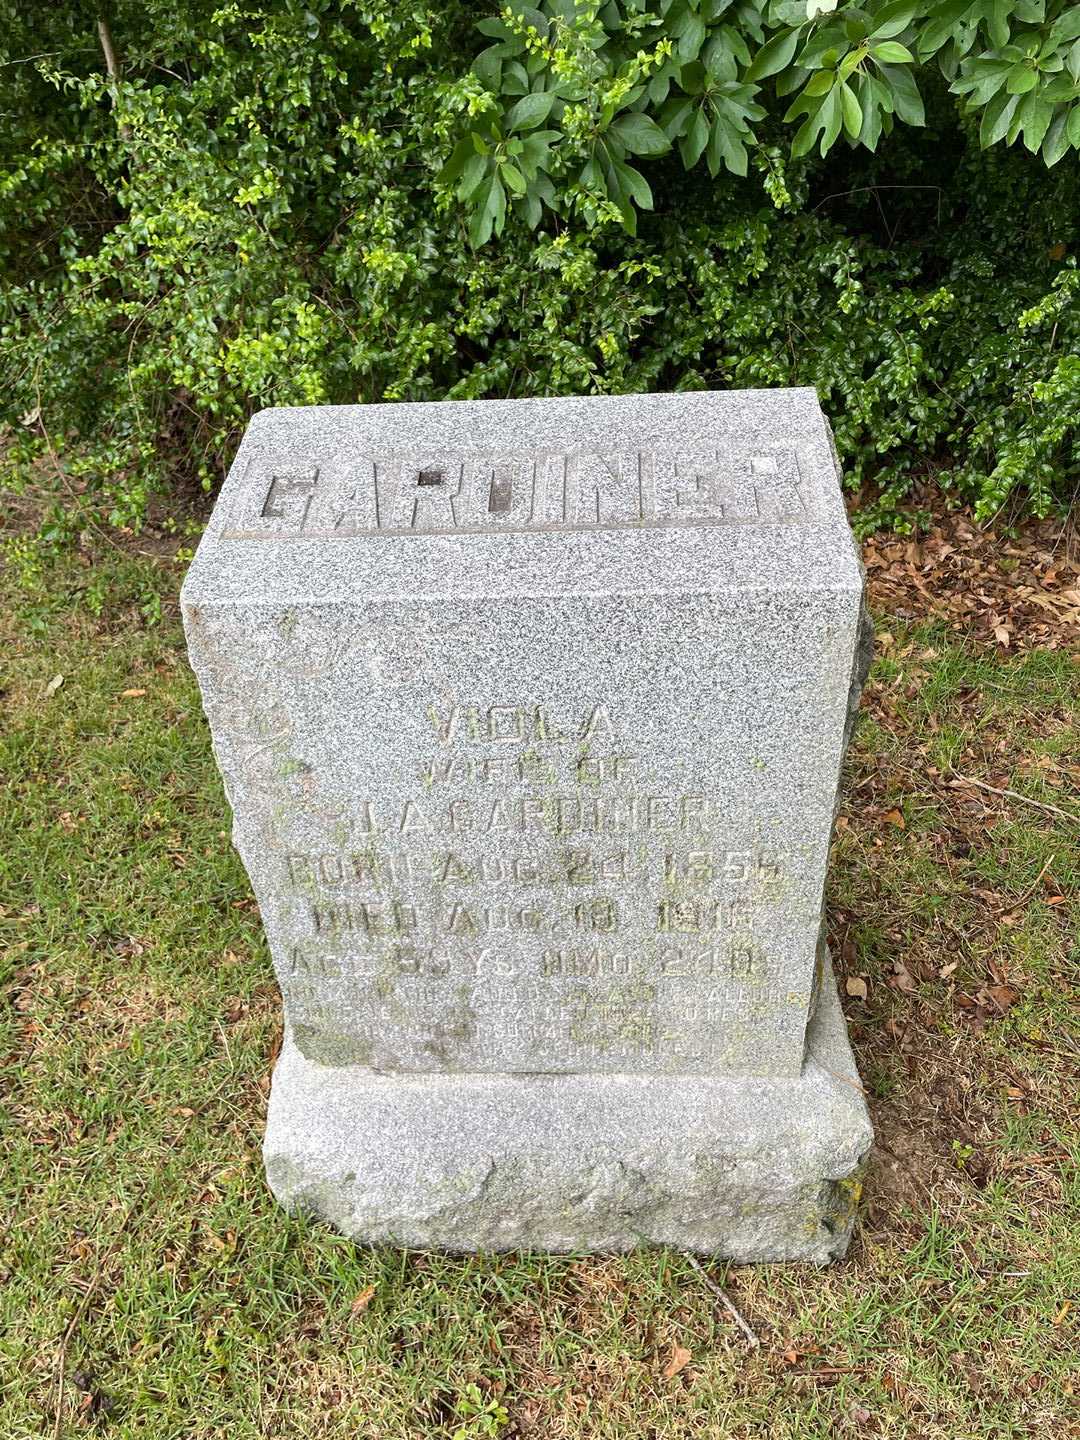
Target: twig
[44,55]
[225,1042]
[62,1362]
[1031,888]
[81,1310]
[722,1295]
[844,1079]
[863,189]
[1015,795]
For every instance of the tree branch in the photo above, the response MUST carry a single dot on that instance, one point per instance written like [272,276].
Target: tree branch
[112,67]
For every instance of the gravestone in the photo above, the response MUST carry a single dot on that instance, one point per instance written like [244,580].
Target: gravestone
[531,715]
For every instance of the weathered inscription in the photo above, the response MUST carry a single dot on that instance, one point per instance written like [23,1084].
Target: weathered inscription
[625,923]
[415,492]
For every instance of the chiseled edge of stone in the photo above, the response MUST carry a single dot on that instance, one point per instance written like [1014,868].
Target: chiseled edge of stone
[751,1170]
[864,637]
[861,660]
[286,425]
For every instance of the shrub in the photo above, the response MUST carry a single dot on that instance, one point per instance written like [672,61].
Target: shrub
[572,92]
[250,213]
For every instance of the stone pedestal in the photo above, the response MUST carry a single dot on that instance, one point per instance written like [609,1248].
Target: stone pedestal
[761,1169]
[531,715]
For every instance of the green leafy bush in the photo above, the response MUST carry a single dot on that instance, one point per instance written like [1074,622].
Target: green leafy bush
[613,80]
[248,211]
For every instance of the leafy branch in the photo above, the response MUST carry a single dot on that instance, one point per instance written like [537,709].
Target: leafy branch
[614,82]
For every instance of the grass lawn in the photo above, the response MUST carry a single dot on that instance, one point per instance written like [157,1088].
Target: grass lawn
[150,1287]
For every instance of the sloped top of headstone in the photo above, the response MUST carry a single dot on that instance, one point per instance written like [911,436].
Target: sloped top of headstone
[703,490]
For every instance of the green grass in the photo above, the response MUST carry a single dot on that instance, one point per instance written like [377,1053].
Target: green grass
[142,1250]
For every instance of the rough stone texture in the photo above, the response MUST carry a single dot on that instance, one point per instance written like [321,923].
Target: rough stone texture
[531,716]
[764,1169]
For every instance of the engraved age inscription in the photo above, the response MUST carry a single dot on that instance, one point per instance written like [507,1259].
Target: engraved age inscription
[537,903]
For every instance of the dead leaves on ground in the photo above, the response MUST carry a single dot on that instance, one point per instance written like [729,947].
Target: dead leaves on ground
[1015,593]
[1012,593]
[935,782]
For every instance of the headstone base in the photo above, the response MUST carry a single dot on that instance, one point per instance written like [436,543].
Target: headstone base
[748,1169]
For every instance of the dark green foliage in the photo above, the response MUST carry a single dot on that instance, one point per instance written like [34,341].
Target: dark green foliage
[253,215]
[623,78]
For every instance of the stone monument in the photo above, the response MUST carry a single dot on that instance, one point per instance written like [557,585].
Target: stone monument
[531,714]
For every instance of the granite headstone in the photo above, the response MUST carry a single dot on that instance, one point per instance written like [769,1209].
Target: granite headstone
[531,716]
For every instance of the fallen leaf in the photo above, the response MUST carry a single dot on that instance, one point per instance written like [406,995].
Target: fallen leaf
[856,985]
[131,694]
[680,1358]
[894,817]
[52,687]
[363,1300]
[1066,1306]
[947,970]
[904,979]
[1003,996]
[1001,635]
